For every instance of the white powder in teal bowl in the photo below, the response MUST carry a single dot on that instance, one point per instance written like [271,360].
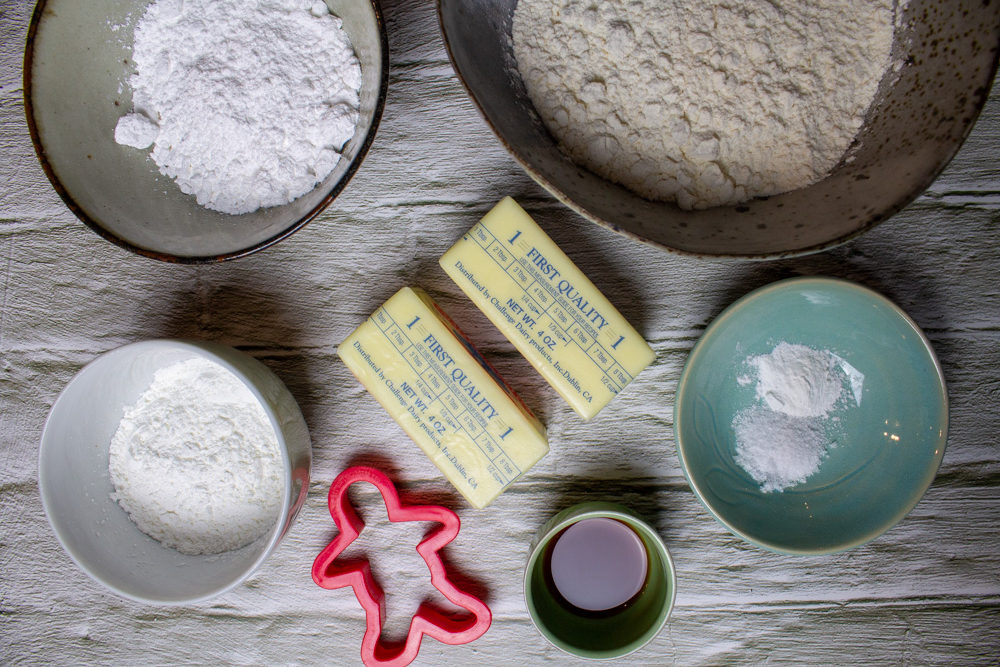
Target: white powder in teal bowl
[782,439]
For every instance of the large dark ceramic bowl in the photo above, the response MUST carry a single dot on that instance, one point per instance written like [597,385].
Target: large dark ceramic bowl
[917,124]
[75,67]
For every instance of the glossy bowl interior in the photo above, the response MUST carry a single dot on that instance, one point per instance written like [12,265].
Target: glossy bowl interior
[77,63]
[76,486]
[918,122]
[889,445]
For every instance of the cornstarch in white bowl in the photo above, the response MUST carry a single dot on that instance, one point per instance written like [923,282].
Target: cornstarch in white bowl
[196,461]
[246,105]
[801,393]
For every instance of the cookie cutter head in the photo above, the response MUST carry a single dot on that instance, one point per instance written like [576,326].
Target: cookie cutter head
[327,572]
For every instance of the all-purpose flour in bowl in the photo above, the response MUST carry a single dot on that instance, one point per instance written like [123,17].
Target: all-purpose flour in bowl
[196,462]
[704,102]
[247,105]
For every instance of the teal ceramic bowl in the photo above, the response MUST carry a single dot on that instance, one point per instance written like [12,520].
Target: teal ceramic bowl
[886,444]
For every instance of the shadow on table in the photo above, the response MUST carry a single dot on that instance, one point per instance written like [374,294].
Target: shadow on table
[255,318]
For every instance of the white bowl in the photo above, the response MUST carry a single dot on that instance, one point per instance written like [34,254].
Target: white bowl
[76,486]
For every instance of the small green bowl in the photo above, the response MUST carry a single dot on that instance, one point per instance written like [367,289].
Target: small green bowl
[594,636]
[891,443]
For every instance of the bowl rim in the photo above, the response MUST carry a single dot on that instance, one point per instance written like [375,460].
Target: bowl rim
[744,301]
[96,226]
[205,350]
[871,219]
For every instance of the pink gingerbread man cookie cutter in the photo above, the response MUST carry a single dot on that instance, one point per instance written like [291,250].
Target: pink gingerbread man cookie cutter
[428,620]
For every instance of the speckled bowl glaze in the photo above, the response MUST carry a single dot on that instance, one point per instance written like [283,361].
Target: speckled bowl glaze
[915,127]
[76,487]
[76,66]
[889,441]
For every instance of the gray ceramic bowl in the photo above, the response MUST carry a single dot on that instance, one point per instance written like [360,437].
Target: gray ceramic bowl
[915,127]
[74,68]
[76,486]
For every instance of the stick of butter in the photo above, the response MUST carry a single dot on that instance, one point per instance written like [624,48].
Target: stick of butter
[547,308]
[420,367]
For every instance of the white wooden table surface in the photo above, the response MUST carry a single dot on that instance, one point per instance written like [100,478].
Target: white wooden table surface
[928,591]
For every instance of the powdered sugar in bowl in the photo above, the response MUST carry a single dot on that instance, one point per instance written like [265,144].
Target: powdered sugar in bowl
[203,130]
[811,417]
[170,470]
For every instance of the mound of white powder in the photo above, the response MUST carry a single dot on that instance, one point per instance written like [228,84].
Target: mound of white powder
[246,104]
[798,381]
[782,439]
[704,102]
[195,461]
[778,451]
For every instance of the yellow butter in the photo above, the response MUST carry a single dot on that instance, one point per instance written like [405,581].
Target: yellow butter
[547,308]
[419,366]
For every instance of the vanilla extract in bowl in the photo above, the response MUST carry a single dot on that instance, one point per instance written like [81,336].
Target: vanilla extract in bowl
[597,567]
[599,582]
